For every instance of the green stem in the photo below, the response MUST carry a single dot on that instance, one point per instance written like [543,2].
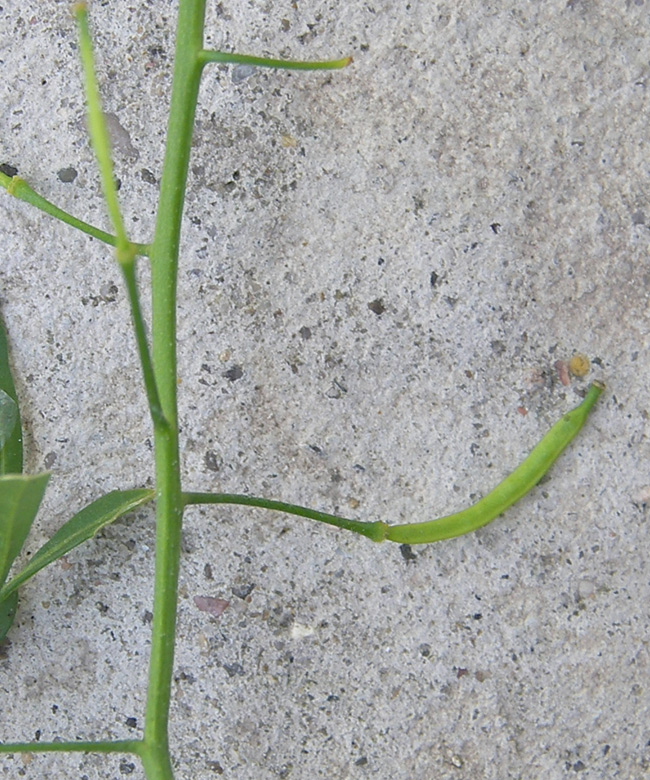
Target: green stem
[22,191]
[117,746]
[169,504]
[207,56]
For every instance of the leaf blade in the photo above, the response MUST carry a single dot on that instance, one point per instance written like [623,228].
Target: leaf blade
[7,613]
[20,497]
[11,438]
[81,527]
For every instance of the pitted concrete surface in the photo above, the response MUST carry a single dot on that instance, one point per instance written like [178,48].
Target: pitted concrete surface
[385,272]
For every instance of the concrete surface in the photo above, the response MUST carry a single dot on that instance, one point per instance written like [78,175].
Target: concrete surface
[384,273]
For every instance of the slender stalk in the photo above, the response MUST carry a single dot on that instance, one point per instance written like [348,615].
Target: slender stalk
[117,746]
[376,531]
[208,55]
[169,500]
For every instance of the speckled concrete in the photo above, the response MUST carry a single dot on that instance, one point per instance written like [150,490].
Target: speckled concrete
[384,274]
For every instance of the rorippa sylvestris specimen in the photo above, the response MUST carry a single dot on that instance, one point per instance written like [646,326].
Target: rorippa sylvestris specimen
[21,494]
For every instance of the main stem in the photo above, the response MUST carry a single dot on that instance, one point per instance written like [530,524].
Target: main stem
[169,500]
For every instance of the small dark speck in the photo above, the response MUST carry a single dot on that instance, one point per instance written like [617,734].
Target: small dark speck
[496,226]
[361,761]
[147,617]
[498,347]
[377,306]
[103,608]
[407,552]
[234,669]
[147,176]
[127,767]
[67,175]
[213,462]
[425,650]
[242,591]
[579,767]
[434,278]
[234,373]
[132,723]
[49,460]
[207,571]
[8,170]
[305,333]
[215,766]
[241,73]
[477,616]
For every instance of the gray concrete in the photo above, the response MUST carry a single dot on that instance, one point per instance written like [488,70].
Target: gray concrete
[400,258]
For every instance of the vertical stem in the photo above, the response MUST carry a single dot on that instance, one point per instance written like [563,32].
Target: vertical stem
[164,260]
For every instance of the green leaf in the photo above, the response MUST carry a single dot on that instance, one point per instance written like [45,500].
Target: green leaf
[20,497]
[7,614]
[11,439]
[78,529]
[8,417]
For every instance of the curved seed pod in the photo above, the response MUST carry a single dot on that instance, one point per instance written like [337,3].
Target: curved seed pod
[522,479]
[513,487]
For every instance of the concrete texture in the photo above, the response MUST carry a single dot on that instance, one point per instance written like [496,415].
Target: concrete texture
[384,273]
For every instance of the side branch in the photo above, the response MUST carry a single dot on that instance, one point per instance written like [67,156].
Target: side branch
[119,746]
[521,481]
[22,191]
